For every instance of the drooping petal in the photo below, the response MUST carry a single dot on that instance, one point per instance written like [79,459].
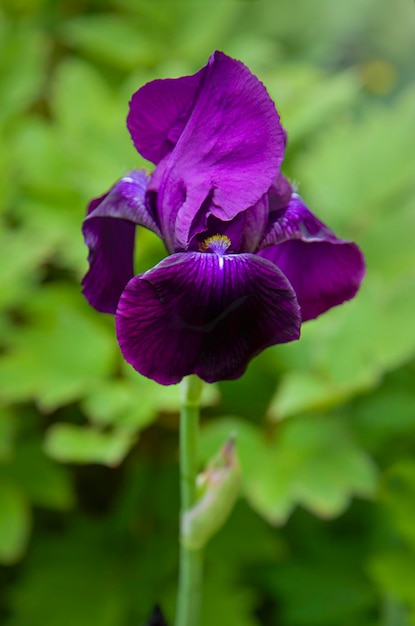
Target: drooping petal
[111,246]
[159,112]
[289,218]
[109,231]
[205,314]
[126,200]
[323,270]
[228,154]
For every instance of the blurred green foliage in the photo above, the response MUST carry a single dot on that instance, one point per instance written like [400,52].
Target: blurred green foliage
[324,533]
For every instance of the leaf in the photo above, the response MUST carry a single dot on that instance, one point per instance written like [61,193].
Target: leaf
[350,348]
[70,443]
[22,251]
[119,402]
[385,416]
[136,401]
[64,351]
[43,164]
[15,522]
[248,441]
[367,167]
[393,571]
[43,482]
[23,54]
[303,391]
[397,495]
[88,146]
[63,573]
[114,39]
[7,435]
[226,602]
[312,462]
[197,43]
[307,98]
[333,591]
[167,398]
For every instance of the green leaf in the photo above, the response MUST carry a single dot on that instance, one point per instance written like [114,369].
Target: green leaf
[332,591]
[398,496]
[20,254]
[7,434]
[136,401]
[308,98]
[64,351]
[88,146]
[248,440]
[312,462]
[114,39]
[42,162]
[394,573]
[197,43]
[167,398]
[362,179]
[43,482]
[228,601]
[385,416]
[70,443]
[63,573]
[350,347]
[15,522]
[23,54]
[119,402]
[304,391]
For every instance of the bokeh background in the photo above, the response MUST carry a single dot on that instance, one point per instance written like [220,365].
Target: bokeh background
[324,533]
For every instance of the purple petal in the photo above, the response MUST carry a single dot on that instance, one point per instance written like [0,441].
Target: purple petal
[228,154]
[279,195]
[111,241]
[111,248]
[127,200]
[244,231]
[289,218]
[159,112]
[323,270]
[205,314]
[255,219]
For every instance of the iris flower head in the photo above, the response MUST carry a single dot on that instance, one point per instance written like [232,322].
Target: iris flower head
[247,262]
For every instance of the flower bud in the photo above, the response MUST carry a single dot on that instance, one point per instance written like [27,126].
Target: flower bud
[219,485]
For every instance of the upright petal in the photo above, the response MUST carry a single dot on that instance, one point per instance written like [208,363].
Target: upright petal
[205,314]
[228,154]
[255,220]
[244,231]
[111,241]
[159,112]
[279,195]
[323,270]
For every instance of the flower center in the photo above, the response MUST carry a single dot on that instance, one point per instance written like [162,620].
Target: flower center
[216,243]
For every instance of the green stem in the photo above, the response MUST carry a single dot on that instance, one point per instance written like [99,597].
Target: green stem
[190,574]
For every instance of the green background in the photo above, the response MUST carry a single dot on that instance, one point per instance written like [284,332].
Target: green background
[324,533]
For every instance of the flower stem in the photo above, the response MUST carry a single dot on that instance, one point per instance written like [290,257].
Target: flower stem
[190,574]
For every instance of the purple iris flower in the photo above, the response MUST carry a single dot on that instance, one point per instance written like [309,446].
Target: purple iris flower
[247,261]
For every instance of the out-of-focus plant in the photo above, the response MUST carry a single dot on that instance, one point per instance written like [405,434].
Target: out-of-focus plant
[88,472]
